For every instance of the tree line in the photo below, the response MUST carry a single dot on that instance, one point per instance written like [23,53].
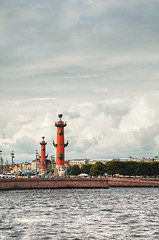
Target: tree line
[127,168]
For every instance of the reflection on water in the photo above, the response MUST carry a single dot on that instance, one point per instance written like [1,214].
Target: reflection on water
[115,213]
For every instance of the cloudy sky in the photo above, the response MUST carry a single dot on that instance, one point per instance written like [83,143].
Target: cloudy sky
[95,61]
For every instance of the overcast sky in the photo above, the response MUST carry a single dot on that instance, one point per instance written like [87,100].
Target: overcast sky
[95,61]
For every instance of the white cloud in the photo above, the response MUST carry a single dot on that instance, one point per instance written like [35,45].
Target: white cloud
[139,116]
[110,127]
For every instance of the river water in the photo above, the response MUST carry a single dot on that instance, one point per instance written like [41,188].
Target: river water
[103,214]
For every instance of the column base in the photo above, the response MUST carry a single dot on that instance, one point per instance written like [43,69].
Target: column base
[60,171]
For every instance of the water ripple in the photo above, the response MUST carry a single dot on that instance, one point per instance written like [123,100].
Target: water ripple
[80,214]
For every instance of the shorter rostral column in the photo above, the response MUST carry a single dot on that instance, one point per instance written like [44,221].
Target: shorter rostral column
[43,156]
[60,170]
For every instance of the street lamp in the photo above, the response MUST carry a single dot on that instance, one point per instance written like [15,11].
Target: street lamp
[1,161]
[13,156]
[53,161]
[37,155]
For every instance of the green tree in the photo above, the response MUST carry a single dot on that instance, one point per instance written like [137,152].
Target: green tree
[51,170]
[144,169]
[114,167]
[86,168]
[129,168]
[75,170]
[154,166]
[98,169]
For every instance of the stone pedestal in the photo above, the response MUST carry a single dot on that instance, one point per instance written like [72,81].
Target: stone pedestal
[60,171]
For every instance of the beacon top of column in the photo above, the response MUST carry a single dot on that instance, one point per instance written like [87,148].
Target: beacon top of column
[43,141]
[60,116]
[60,123]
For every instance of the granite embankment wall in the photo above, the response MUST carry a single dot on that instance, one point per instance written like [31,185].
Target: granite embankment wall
[55,183]
[50,183]
[133,182]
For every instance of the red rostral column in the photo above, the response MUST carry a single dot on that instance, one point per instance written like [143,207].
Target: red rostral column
[60,152]
[43,156]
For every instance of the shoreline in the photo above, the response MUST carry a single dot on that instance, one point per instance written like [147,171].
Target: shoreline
[52,183]
[68,183]
[133,182]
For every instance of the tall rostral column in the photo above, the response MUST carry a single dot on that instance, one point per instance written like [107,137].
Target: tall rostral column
[43,156]
[60,169]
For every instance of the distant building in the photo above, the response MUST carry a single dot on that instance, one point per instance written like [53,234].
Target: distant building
[17,168]
[26,167]
[156,159]
[78,162]
[35,165]
[49,165]
[6,168]
[93,161]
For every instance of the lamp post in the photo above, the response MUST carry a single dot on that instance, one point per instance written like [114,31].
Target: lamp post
[53,161]
[1,161]
[13,156]
[37,155]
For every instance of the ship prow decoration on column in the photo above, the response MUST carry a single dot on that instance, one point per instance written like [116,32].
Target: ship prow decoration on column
[43,156]
[60,169]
